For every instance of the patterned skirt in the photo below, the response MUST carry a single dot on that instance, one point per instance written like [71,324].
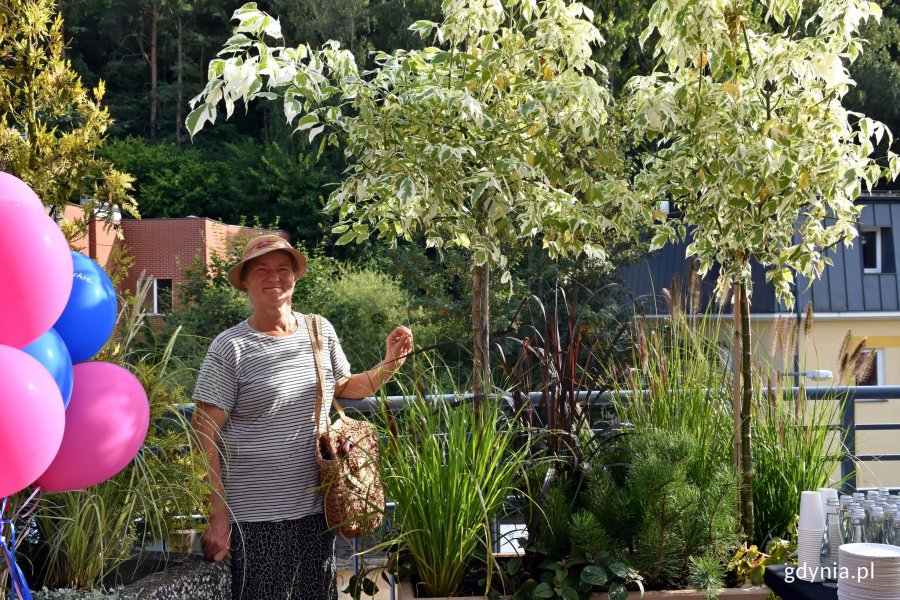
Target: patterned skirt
[283,560]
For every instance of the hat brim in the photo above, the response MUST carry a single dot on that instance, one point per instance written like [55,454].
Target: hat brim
[234,273]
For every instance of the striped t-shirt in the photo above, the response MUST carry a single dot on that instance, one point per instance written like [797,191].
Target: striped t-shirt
[267,386]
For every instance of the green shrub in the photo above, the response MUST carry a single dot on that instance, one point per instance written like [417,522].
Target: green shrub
[364,305]
[670,509]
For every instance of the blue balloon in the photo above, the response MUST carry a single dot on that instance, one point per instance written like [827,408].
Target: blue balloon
[50,350]
[90,314]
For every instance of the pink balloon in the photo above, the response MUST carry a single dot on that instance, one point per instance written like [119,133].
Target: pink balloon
[106,423]
[32,419]
[13,188]
[35,273]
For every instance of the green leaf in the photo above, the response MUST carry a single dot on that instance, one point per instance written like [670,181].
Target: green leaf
[307,121]
[620,569]
[346,238]
[423,27]
[594,575]
[512,567]
[569,593]
[199,116]
[659,240]
[238,40]
[543,590]
[478,191]
[618,592]
[406,190]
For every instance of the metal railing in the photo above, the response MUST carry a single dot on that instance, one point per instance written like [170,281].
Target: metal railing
[848,426]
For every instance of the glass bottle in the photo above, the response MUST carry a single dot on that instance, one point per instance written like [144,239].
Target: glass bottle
[876,526]
[895,530]
[828,554]
[857,526]
[868,505]
[845,518]
[890,514]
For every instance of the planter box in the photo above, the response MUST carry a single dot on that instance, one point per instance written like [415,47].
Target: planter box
[752,593]
[405,592]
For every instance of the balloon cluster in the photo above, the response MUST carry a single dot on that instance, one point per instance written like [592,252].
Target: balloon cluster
[65,423]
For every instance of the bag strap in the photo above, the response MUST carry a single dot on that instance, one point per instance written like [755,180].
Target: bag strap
[314,327]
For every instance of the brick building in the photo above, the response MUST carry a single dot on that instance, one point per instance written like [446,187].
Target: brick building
[161,248]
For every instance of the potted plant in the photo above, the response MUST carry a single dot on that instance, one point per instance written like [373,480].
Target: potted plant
[449,469]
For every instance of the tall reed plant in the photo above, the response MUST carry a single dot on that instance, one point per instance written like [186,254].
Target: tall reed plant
[795,449]
[449,469]
[680,381]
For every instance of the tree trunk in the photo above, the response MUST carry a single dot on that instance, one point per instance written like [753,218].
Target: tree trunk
[179,27]
[154,42]
[481,376]
[746,413]
[736,383]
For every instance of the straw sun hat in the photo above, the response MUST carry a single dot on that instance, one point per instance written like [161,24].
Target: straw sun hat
[264,244]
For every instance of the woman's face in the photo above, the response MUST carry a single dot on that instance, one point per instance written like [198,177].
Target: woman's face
[269,279]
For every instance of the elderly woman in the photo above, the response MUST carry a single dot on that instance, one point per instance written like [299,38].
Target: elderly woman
[255,399]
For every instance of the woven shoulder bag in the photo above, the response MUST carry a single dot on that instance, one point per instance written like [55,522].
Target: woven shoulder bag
[347,456]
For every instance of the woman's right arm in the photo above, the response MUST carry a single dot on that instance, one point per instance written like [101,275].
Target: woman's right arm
[208,421]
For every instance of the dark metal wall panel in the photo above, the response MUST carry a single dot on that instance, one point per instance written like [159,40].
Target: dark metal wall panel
[872,290]
[837,283]
[852,271]
[821,299]
[804,298]
[763,299]
[867,215]
[647,277]
[889,292]
[882,216]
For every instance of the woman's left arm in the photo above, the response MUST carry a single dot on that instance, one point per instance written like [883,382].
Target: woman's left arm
[361,385]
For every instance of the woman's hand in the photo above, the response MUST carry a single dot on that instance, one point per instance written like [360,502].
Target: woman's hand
[216,540]
[399,343]
[360,385]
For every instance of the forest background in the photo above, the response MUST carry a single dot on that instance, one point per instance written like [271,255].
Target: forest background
[152,56]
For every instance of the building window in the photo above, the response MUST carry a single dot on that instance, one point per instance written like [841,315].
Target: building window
[162,296]
[871,250]
[870,367]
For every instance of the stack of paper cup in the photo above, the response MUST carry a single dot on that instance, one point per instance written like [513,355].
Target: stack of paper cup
[809,537]
[827,493]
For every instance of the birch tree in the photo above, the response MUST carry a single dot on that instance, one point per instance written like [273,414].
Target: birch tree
[498,134]
[755,147]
